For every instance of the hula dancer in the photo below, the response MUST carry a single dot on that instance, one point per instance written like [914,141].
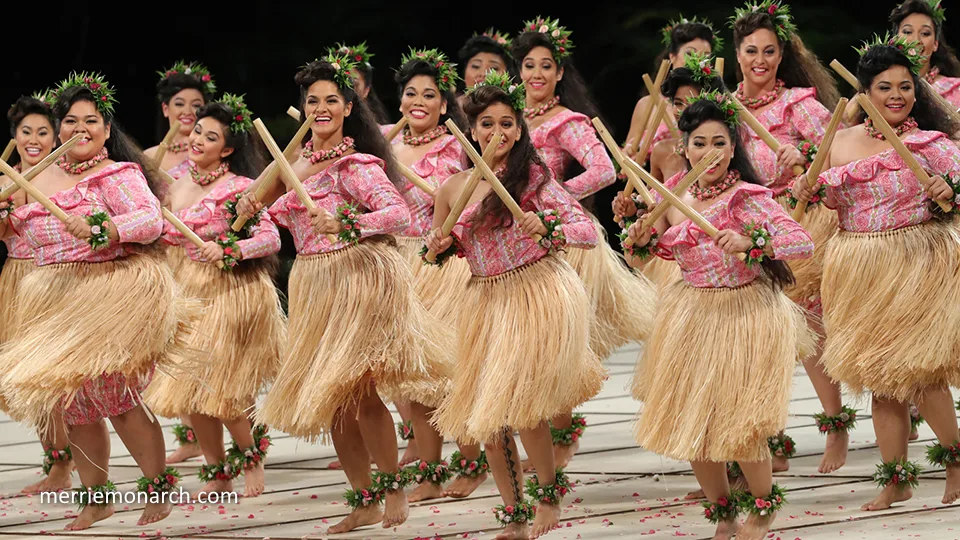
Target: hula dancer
[922,20]
[482,53]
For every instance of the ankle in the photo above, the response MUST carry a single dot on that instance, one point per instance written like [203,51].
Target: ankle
[99,496]
[184,435]
[763,506]
[899,473]
[570,435]
[434,472]
[245,459]
[840,423]
[944,456]
[222,471]
[466,468]
[782,446]
[520,512]
[159,485]
[405,430]
[53,457]
[549,494]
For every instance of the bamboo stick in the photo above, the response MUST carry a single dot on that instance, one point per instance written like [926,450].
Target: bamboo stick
[620,158]
[287,170]
[488,174]
[667,118]
[40,167]
[165,143]
[33,191]
[396,129]
[647,143]
[294,113]
[8,150]
[845,74]
[408,173]
[762,132]
[718,67]
[187,232]
[468,188]
[813,173]
[633,145]
[880,123]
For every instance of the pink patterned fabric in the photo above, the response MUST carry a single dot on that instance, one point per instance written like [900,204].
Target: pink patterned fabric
[104,397]
[209,219]
[17,248]
[705,265]
[492,251]
[445,159]
[796,116]
[663,132]
[949,88]
[120,190]
[357,179]
[881,193]
[570,136]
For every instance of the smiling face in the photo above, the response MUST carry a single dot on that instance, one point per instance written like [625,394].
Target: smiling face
[893,94]
[183,106]
[208,143]
[422,103]
[697,46]
[84,118]
[502,118]
[34,139]
[759,56]
[709,135]
[479,65]
[919,27]
[540,74]
[325,100]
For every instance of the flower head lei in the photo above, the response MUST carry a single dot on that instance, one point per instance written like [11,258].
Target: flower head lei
[242,120]
[192,69]
[700,64]
[501,38]
[357,53]
[722,100]
[95,83]
[911,49]
[343,69]
[779,13]
[446,72]
[559,35]
[666,34]
[937,12]
[516,92]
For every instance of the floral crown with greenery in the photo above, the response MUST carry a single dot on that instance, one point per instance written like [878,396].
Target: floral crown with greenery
[911,49]
[192,69]
[358,53]
[778,12]
[446,71]
[666,34]
[242,121]
[730,112]
[95,83]
[559,36]
[516,92]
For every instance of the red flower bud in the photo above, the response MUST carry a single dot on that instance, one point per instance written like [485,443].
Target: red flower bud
[239,118]
[772,9]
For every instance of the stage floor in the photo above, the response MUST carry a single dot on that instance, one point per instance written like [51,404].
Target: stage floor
[624,491]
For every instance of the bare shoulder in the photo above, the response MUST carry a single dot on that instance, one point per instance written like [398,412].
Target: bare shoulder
[150,152]
[452,185]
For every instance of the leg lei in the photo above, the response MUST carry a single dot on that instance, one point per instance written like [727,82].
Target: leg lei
[552,494]
[436,472]
[405,430]
[461,466]
[51,456]
[845,421]
[380,484]
[763,506]
[162,483]
[247,458]
[572,434]
[899,472]
[95,495]
[782,445]
[184,434]
[725,509]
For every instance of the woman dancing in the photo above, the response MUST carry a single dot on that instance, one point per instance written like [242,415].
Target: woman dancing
[482,53]
[922,20]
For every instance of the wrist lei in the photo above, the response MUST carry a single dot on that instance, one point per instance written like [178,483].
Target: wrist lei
[760,238]
[98,229]
[815,199]
[247,231]
[347,214]
[231,251]
[454,249]
[553,240]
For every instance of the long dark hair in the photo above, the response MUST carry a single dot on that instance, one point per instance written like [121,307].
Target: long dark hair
[706,110]
[944,58]
[246,159]
[360,125]
[572,89]
[372,100]
[24,107]
[420,67]
[799,67]
[485,44]
[172,85]
[681,35]
[926,111]
[120,146]
[522,157]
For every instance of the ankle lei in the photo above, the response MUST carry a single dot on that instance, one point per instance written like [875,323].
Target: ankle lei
[381,483]
[763,506]
[461,466]
[915,418]
[552,494]
[435,472]
[247,458]
[944,456]
[570,435]
[899,472]
[222,471]
[782,446]
[52,456]
[405,430]
[162,483]
[725,509]
[184,434]
[843,422]
[95,495]
[521,512]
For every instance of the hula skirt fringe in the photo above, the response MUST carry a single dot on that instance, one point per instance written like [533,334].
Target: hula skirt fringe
[354,318]
[822,224]
[239,337]
[439,289]
[13,271]
[523,353]
[716,373]
[662,272]
[890,310]
[81,323]
[622,300]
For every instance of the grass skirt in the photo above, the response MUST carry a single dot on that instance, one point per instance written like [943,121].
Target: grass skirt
[717,371]
[822,224]
[523,352]
[439,289]
[890,309]
[13,271]
[623,300]
[238,337]
[78,322]
[354,316]
[662,272]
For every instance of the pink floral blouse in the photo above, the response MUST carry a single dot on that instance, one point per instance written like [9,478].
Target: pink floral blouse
[949,88]
[445,159]
[796,116]
[881,193]
[570,136]
[704,265]
[120,190]
[209,219]
[17,248]
[357,179]
[491,251]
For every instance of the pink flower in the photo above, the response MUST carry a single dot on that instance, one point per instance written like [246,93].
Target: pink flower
[228,251]
[772,9]
[824,428]
[423,466]
[574,436]
[473,466]
[205,78]
[759,503]
[755,253]
[95,86]
[171,479]
[55,454]
[722,501]
[149,489]
[509,509]
[463,463]
[707,512]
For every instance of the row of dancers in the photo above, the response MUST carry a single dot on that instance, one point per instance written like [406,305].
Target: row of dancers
[452,264]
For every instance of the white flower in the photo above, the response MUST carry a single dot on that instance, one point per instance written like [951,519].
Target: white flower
[556,33]
[336,66]
[912,52]
[187,71]
[95,229]
[763,512]
[543,29]
[511,88]
[956,200]
[844,417]
[761,241]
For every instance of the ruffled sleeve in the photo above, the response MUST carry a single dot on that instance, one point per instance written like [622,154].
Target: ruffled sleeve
[578,138]
[755,204]
[367,183]
[133,208]
[938,155]
[577,227]
[808,116]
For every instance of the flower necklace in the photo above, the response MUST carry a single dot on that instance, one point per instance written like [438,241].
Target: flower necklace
[178,147]
[765,99]
[336,151]
[542,109]
[932,74]
[206,179]
[710,192]
[906,126]
[424,138]
[83,166]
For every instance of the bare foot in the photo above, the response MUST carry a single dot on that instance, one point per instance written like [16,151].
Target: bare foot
[425,492]
[365,515]
[756,527]
[214,486]
[397,510]
[410,455]
[694,495]
[514,531]
[58,479]
[154,512]
[253,480]
[726,530]
[90,514]
[183,453]
[835,454]
[952,491]
[780,464]
[888,496]
[463,486]
[548,519]
[914,434]
[563,453]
